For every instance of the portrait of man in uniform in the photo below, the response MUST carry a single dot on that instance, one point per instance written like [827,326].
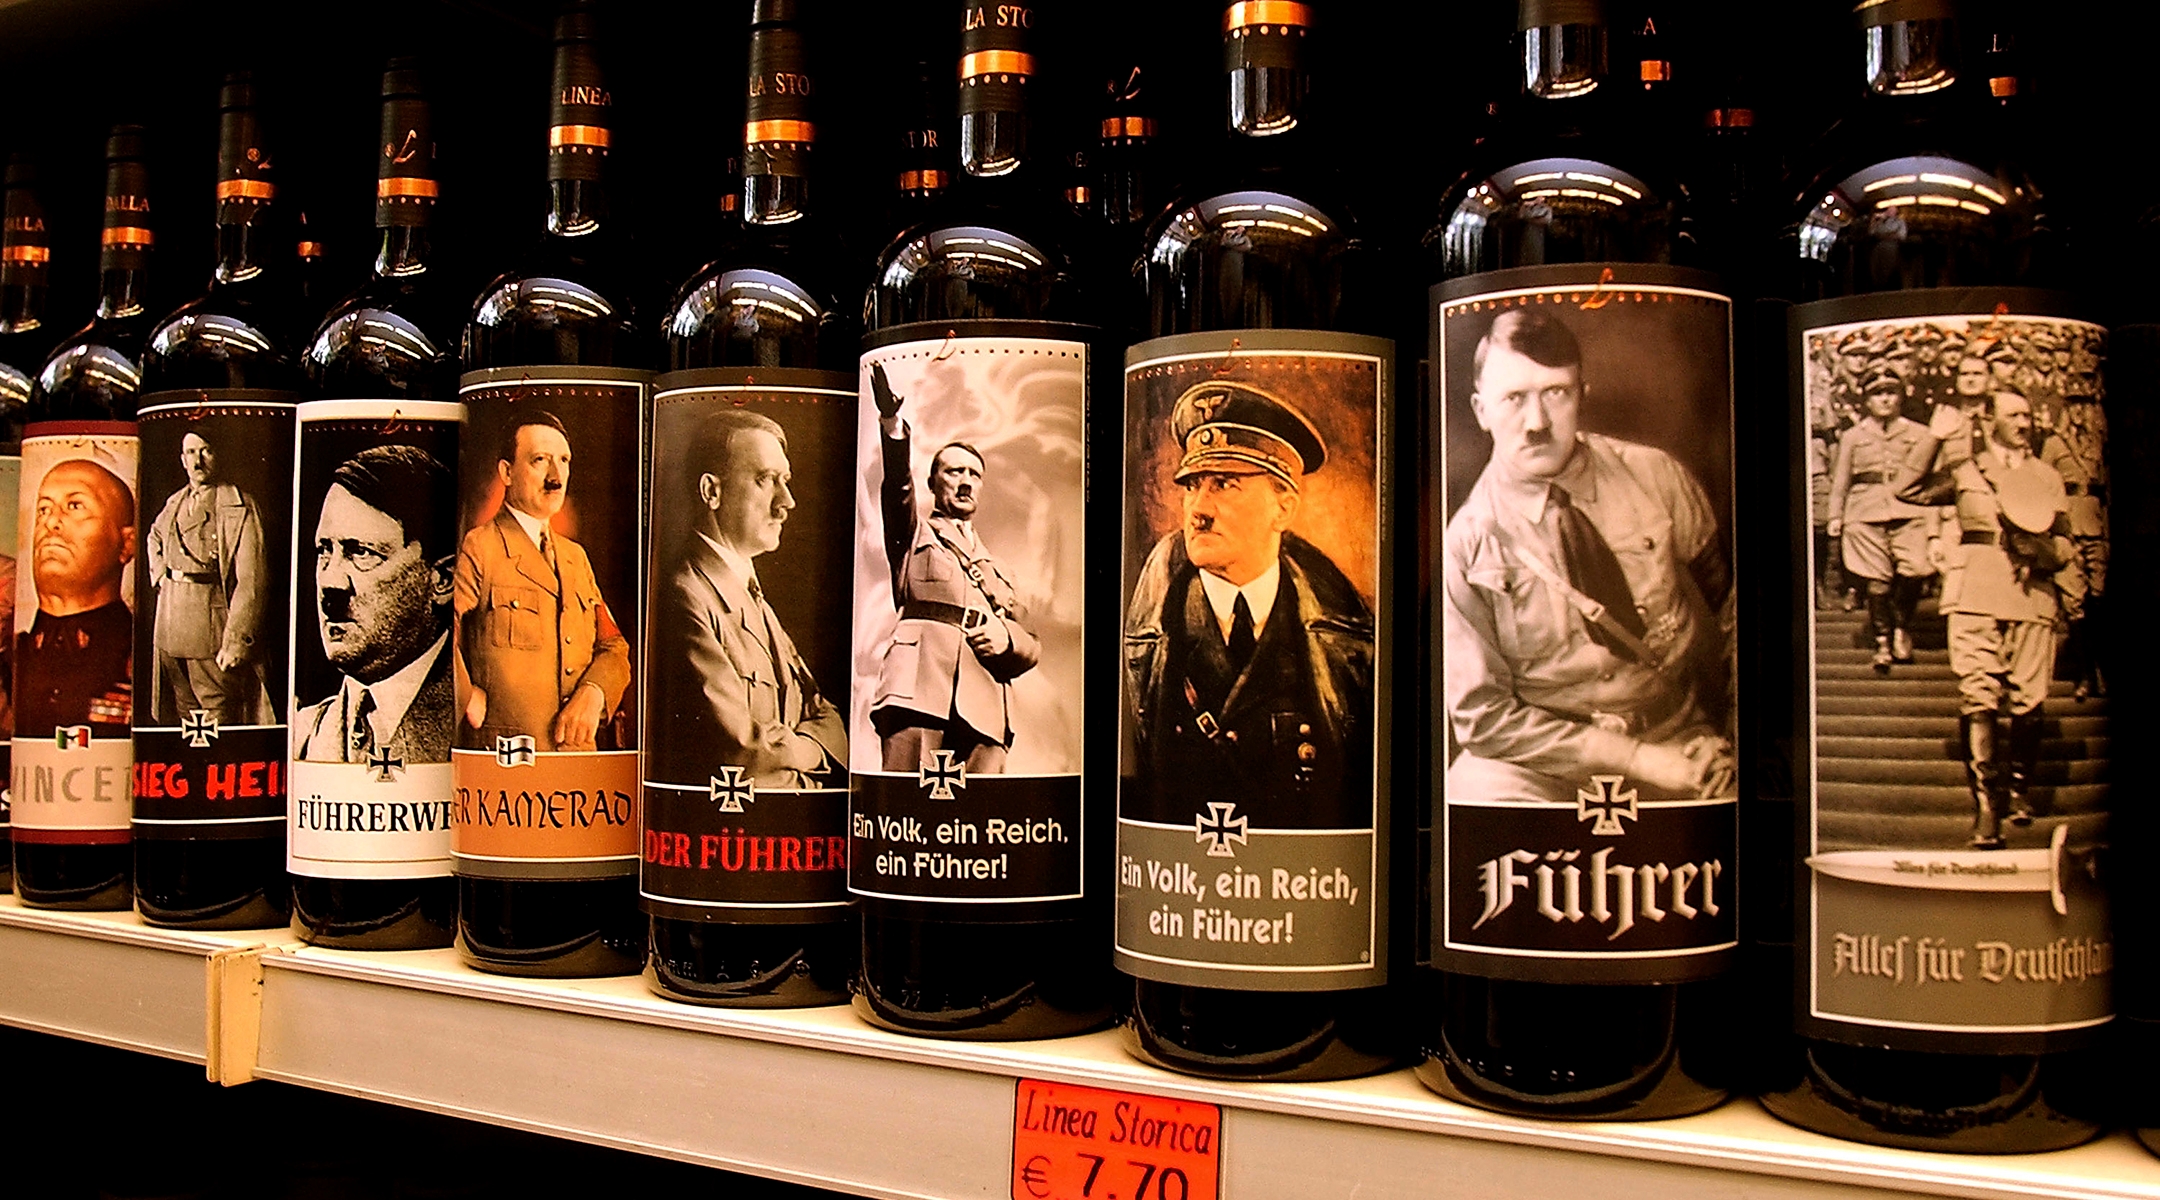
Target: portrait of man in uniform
[1587,606]
[539,654]
[746,697]
[1882,538]
[204,555]
[76,656]
[385,566]
[1248,651]
[944,681]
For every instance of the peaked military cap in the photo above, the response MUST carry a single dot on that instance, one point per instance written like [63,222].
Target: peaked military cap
[1234,428]
[1883,380]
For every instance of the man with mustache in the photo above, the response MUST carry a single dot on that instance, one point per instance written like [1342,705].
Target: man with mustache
[75,661]
[751,700]
[384,565]
[539,654]
[1249,654]
[945,682]
[1587,620]
[205,556]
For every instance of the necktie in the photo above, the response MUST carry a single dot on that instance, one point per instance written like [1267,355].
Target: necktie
[772,639]
[1241,635]
[360,741]
[1595,572]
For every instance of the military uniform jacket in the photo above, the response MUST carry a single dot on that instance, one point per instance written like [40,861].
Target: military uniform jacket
[218,535]
[76,670]
[1290,739]
[1981,579]
[529,639]
[929,669]
[739,703]
[2078,452]
[1524,681]
[322,731]
[1868,459]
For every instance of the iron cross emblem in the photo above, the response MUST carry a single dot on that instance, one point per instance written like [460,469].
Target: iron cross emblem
[382,762]
[731,789]
[1219,828]
[1604,803]
[519,751]
[199,728]
[942,778]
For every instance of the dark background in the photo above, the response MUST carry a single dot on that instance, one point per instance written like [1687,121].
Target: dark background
[1401,89]
[254,454]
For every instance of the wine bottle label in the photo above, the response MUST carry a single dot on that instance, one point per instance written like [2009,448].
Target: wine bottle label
[1253,777]
[1956,486]
[967,720]
[547,607]
[74,655]
[373,696]
[746,662]
[996,56]
[1584,630]
[209,735]
[10,520]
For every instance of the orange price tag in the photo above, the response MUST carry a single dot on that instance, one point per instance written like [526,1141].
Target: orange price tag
[1083,1143]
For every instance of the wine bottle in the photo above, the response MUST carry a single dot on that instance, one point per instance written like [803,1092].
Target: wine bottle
[977,573]
[746,664]
[314,268]
[1579,532]
[1128,168]
[922,148]
[1260,632]
[1944,738]
[556,369]
[374,559]
[74,656]
[219,383]
[25,338]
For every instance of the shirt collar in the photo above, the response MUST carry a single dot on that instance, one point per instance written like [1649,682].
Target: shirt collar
[1259,595]
[533,526]
[395,694]
[1529,496]
[731,560]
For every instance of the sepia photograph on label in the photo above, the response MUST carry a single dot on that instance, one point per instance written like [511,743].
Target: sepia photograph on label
[1587,641]
[746,659]
[1957,557]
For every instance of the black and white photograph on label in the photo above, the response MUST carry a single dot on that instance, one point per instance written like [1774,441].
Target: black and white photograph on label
[1587,606]
[372,675]
[969,558]
[1959,553]
[543,568]
[74,622]
[1251,570]
[215,484]
[748,647]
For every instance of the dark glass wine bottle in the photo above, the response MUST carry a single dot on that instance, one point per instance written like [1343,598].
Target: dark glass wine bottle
[1579,533]
[759,400]
[1128,167]
[374,560]
[979,571]
[219,384]
[1260,467]
[313,268]
[25,338]
[74,656]
[1954,729]
[922,145]
[556,369]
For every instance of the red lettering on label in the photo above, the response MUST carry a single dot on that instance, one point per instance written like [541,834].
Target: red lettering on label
[707,845]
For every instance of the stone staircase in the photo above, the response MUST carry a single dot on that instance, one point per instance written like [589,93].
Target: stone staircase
[1888,771]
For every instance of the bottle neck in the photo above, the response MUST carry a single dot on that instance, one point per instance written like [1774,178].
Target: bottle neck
[993,142]
[403,253]
[242,235]
[121,291]
[576,207]
[22,306]
[1911,58]
[1266,100]
[775,199]
[1561,62]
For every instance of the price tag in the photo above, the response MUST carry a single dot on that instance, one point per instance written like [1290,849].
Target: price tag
[1083,1143]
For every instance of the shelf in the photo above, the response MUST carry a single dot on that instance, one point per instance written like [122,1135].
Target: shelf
[817,1097]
